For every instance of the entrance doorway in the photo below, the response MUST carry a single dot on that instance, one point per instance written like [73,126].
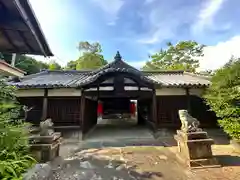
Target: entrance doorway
[124,101]
[121,118]
[119,121]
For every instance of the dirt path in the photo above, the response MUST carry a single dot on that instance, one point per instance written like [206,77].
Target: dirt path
[144,162]
[155,163]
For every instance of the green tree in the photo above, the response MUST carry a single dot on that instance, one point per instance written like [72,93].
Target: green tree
[25,63]
[71,65]
[223,96]
[28,64]
[85,46]
[90,61]
[53,65]
[182,56]
[90,57]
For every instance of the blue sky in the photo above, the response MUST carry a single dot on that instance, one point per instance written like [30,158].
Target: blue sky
[139,27]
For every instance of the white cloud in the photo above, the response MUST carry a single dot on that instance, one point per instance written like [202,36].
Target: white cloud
[149,1]
[111,8]
[158,29]
[156,36]
[216,56]
[206,15]
[163,21]
[111,23]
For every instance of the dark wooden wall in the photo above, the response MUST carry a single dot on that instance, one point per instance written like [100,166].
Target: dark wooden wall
[168,106]
[90,115]
[34,116]
[65,111]
[145,115]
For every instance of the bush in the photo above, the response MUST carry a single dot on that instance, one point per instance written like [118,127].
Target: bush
[14,154]
[223,96]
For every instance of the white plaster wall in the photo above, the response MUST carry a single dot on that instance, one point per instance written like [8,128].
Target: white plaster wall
[170,91]
[30,92]
[196,91]
[64,92]
[178,91]
[77,92]
[51,92]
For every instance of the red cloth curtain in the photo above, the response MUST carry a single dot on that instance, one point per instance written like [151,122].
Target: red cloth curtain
[133,108]
[100,109]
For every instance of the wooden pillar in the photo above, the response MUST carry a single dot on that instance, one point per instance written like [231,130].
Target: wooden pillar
[154,109]
[45,105]
[97,91]
[82,110]
[188,100]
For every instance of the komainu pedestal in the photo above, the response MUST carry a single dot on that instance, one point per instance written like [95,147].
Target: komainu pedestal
[45,144]
[194,145]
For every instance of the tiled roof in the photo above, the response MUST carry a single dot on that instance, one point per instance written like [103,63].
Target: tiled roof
[51,79]
[72,78]
[178,78]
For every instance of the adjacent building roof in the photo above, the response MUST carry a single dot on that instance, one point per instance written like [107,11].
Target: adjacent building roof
[8,70]
[72,78]
[20,31]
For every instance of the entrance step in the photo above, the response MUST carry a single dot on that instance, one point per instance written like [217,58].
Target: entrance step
[118,143]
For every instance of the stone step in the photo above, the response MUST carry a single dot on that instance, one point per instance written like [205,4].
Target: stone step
[210,162]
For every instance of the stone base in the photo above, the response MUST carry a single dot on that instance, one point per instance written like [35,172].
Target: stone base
[45,150]
[198,163]
[70,133]
[210,162]
[195,149]
[236,145]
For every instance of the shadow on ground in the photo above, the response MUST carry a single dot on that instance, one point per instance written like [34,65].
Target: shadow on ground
[97,168]
[166,136]
[228,160]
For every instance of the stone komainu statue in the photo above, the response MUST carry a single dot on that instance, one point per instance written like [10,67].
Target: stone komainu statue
[46,128]
[189,123]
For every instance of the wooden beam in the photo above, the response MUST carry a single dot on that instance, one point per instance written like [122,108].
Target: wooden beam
[188,100]
[154,108]
[127,94]
[83,101]
[45,105]
[8,39]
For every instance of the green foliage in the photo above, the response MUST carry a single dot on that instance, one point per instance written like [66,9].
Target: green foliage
[90,61]
[71,65]
[53,65]
[183,56]
[90,58]
[223,96]
[85,46]
[13,165]
[14,158]
[26,63]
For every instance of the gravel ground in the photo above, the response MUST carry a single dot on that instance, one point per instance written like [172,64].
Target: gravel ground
[146,162]
[127,163]
[134,160]
[227,157]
